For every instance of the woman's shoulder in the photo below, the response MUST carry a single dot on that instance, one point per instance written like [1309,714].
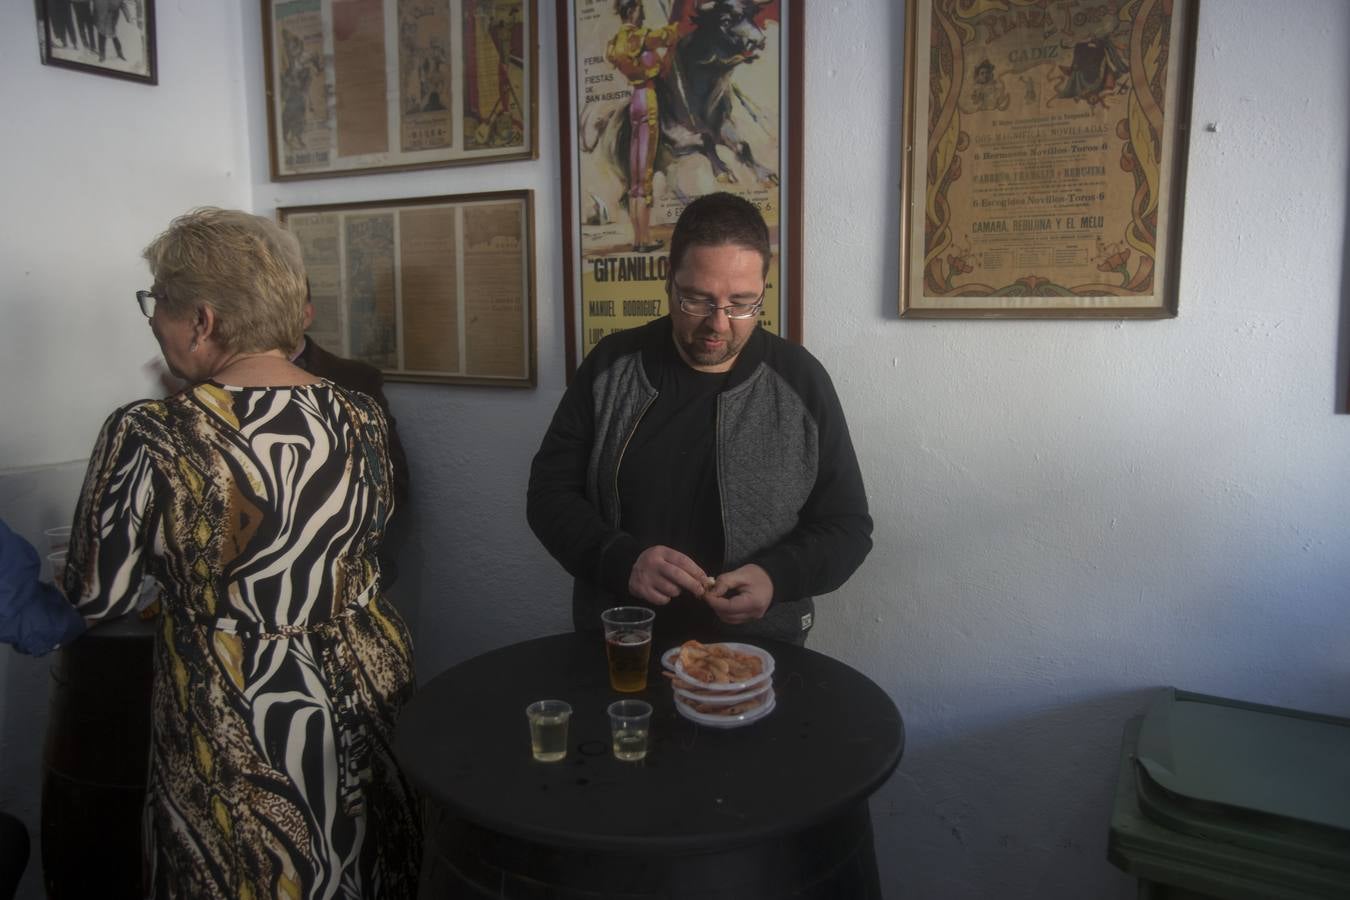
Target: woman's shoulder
[154,417]
[142,413]
[142,423]
[365,407]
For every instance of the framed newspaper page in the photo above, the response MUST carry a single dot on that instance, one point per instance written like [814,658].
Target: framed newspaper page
[1044,157]
[433,289]
[716,87]
[378,85]
[103,37]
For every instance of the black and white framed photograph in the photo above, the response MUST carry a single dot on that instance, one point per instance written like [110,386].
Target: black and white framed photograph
[105,37]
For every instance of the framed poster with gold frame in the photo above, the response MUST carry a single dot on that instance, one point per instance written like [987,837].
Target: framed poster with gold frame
[1045,157]
[358,86]
[432,289]
[724,80]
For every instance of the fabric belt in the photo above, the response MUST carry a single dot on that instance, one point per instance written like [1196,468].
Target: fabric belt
[269,631]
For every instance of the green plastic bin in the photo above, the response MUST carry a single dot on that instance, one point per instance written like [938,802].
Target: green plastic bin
[1219,798]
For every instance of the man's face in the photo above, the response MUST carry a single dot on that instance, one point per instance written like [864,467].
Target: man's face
[723,275]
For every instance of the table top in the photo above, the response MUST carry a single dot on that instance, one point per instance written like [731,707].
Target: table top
[833,738]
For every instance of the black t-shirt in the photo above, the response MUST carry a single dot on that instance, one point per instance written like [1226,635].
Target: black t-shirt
[668,480]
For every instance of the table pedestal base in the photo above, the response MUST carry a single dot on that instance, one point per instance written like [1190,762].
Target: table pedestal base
[834,860]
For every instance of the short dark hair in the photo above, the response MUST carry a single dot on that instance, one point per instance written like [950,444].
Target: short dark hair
[715,220]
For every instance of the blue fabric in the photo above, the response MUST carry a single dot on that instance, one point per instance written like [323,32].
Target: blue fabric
[34,616]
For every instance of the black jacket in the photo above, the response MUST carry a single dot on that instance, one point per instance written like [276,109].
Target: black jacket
[791,493]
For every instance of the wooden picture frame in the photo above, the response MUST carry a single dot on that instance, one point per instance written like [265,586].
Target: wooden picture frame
[356,86]
[1045,158]
[431,289]
[115,38]
[609,283]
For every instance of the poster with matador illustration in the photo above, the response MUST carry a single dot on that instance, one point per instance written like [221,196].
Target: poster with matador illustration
[671,101]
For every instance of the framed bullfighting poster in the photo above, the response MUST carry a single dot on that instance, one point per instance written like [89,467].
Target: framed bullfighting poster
[1044,157]
[429,289]
[357,86]
[663,101]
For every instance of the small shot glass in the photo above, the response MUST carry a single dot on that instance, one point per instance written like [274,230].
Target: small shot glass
[548,729]
[629,727]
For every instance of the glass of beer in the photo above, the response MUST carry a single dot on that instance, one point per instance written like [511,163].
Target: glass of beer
[548,729]
[629,724]
[628,643]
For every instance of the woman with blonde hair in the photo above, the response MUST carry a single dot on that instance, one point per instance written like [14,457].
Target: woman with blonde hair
[258,498]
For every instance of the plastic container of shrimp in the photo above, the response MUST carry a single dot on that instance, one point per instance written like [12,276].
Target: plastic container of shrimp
[671,660]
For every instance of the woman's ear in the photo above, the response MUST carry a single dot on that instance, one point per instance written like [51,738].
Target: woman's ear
[204,326]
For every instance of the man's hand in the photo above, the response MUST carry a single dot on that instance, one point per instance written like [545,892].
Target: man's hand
[661,573]
[741,595]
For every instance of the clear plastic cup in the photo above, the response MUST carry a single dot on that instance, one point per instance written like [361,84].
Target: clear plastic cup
[628,645]
[548,729]
[630,723]
[58,538]
[56,567]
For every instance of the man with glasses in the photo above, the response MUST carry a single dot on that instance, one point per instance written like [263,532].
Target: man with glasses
[700,464]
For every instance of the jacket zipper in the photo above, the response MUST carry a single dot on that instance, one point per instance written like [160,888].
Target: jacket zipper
[618,461]
[717,461]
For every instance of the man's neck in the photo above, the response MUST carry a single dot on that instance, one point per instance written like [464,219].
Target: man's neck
[299,348]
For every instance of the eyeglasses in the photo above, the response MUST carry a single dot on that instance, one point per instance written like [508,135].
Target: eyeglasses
[704,308]
[146,300]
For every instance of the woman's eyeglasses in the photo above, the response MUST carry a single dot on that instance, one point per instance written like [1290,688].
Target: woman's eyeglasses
[146,301]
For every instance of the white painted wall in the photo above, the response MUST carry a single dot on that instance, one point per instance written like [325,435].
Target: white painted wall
[95,168]
[1069,514]
[1073,513]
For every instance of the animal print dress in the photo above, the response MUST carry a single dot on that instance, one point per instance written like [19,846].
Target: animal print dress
[279,668]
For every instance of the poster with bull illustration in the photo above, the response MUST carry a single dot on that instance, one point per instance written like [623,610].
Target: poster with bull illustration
[709,84]
[1046,157]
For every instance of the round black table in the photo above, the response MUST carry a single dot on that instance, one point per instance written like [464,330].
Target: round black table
[776,809]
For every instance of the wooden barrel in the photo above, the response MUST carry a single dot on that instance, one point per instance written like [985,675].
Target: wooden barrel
[14,846]
[95,762]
